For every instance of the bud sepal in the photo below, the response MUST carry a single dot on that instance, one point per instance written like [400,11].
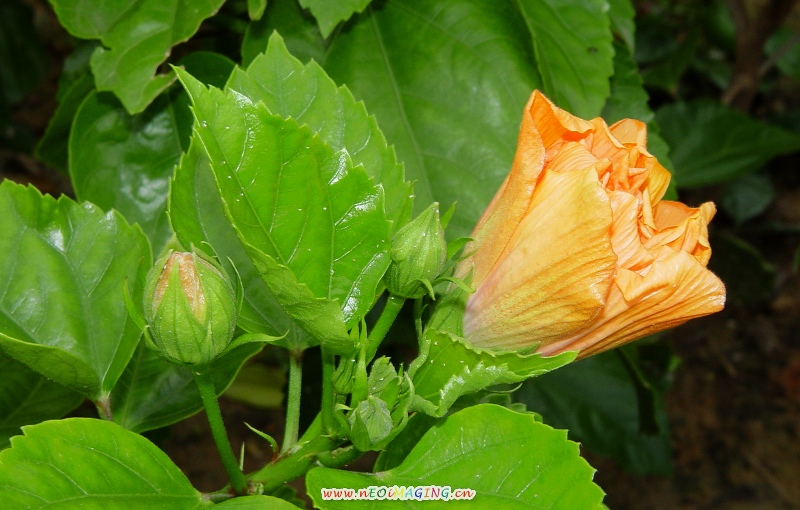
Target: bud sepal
[190,307]
[419,253]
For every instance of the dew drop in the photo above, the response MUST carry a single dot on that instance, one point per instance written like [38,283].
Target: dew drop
[462,361]
[324,208]
[204,124]
[435,343]
[227,127]
[230,177]
[431,362]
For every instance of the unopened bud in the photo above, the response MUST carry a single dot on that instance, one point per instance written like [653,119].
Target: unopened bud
[190,308]
[419,252]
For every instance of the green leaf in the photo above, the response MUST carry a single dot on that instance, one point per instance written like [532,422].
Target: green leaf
[447,83]
[257,503]
[447,368]
[747,196]
[509,459]
[628,98]
[27,398]
[572,40]
[125,162]
[62,270]
[198,217]
[53,147]
[307,94]
[91,464]
[255,9]
[596,400]
[396,451]
[320,317]
[712,143]
[621,14]
[152,393]
[288,195]
[135,41]
[329,14]
[298,30]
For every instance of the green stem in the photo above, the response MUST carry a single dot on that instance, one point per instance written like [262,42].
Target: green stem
[393,306]
[293,400]
[295,464]
[209,396]
[103,405]
[340,457]
[328,396]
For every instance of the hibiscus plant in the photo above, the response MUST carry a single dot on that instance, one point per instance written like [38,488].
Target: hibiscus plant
[480,182]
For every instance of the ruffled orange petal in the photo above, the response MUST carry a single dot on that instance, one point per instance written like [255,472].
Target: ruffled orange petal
[556,274]
[571,156]
[625,238]
[553,123]
[677,288]
[495,228]
[682,228]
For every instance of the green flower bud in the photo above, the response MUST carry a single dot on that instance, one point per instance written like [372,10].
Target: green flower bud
[190,307]
[419,252]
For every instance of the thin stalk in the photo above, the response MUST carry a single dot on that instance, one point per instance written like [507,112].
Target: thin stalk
[103,405]
[293,400]
[294,465]
[209,396]
[328,396]
[389,313]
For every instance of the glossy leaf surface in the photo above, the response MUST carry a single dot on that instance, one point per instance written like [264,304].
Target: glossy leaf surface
[304,92]
[448,368]
[136,38]
[447,83]
[27,398]
[91,464]
[293,198]
[509,459]
[125,162]
[62,271]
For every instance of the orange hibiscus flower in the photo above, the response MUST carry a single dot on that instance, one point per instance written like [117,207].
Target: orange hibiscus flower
[577,251]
